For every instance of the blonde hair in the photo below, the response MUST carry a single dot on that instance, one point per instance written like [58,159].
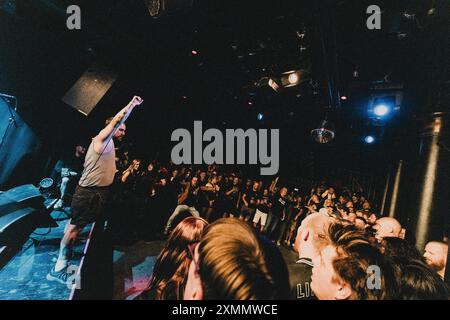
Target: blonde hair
[236,264]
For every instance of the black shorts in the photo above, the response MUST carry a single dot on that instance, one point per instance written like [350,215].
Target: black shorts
[88,204]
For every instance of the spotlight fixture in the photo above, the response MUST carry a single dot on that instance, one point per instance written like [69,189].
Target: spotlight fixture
[260,116]
[154,7]
[324,132]
[268,82]
[163,8]
[381,110]
[369,139]
[293,78]
[385,100]
[290,78]
[382,107]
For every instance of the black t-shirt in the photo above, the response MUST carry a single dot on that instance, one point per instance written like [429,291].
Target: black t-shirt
[192,199]
[251,196]
[300,279]
[202,194]
[132,184]
[278,205]
[264,204]
[210,195]
[233,197]
[145,183]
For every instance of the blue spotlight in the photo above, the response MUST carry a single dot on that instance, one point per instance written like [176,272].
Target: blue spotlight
[381,110]
[369,139]
[260,116]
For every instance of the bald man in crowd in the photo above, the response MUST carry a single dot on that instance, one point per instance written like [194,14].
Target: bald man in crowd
[308,243]
[436,256]
[387,227]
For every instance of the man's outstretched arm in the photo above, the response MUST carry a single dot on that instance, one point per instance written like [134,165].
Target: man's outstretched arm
[108,132]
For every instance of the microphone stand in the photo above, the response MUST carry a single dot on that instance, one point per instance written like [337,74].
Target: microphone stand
[12,119]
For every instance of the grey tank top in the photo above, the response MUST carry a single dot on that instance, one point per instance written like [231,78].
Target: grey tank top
[99,170]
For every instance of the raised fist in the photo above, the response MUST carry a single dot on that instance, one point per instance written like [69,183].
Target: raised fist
[136,101]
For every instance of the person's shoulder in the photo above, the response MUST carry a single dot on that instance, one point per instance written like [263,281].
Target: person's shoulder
[304,262]
[300,271]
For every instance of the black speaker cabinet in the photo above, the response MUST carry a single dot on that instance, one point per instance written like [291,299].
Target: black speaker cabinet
[90,89]
[21,211]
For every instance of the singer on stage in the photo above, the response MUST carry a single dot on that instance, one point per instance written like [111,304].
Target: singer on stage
[92,191]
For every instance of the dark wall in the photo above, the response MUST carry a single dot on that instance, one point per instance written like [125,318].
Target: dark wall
[37,67]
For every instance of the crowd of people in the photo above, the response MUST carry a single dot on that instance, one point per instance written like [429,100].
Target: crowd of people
[229,259]
[225,231]
[156,195]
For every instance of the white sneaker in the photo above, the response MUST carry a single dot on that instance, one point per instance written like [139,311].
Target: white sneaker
[59,204]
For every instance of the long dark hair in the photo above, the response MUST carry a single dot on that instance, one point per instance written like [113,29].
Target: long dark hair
[171,268]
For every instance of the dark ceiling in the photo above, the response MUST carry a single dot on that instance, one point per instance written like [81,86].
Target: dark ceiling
[237,43]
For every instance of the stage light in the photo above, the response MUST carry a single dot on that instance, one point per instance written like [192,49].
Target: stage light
[324,132]
[290,78]
[385,102]
[154,7]
[381,110]
[194,52]
[293,78]
[344,98]
[167,8]
[369,139]
[260,116]
[268,82]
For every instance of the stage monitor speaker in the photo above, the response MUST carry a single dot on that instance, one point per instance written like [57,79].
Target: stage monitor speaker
[21,211]
[90,88]
[20,197]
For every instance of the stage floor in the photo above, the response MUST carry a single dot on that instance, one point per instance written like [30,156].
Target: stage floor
[24,277]
[133,266]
